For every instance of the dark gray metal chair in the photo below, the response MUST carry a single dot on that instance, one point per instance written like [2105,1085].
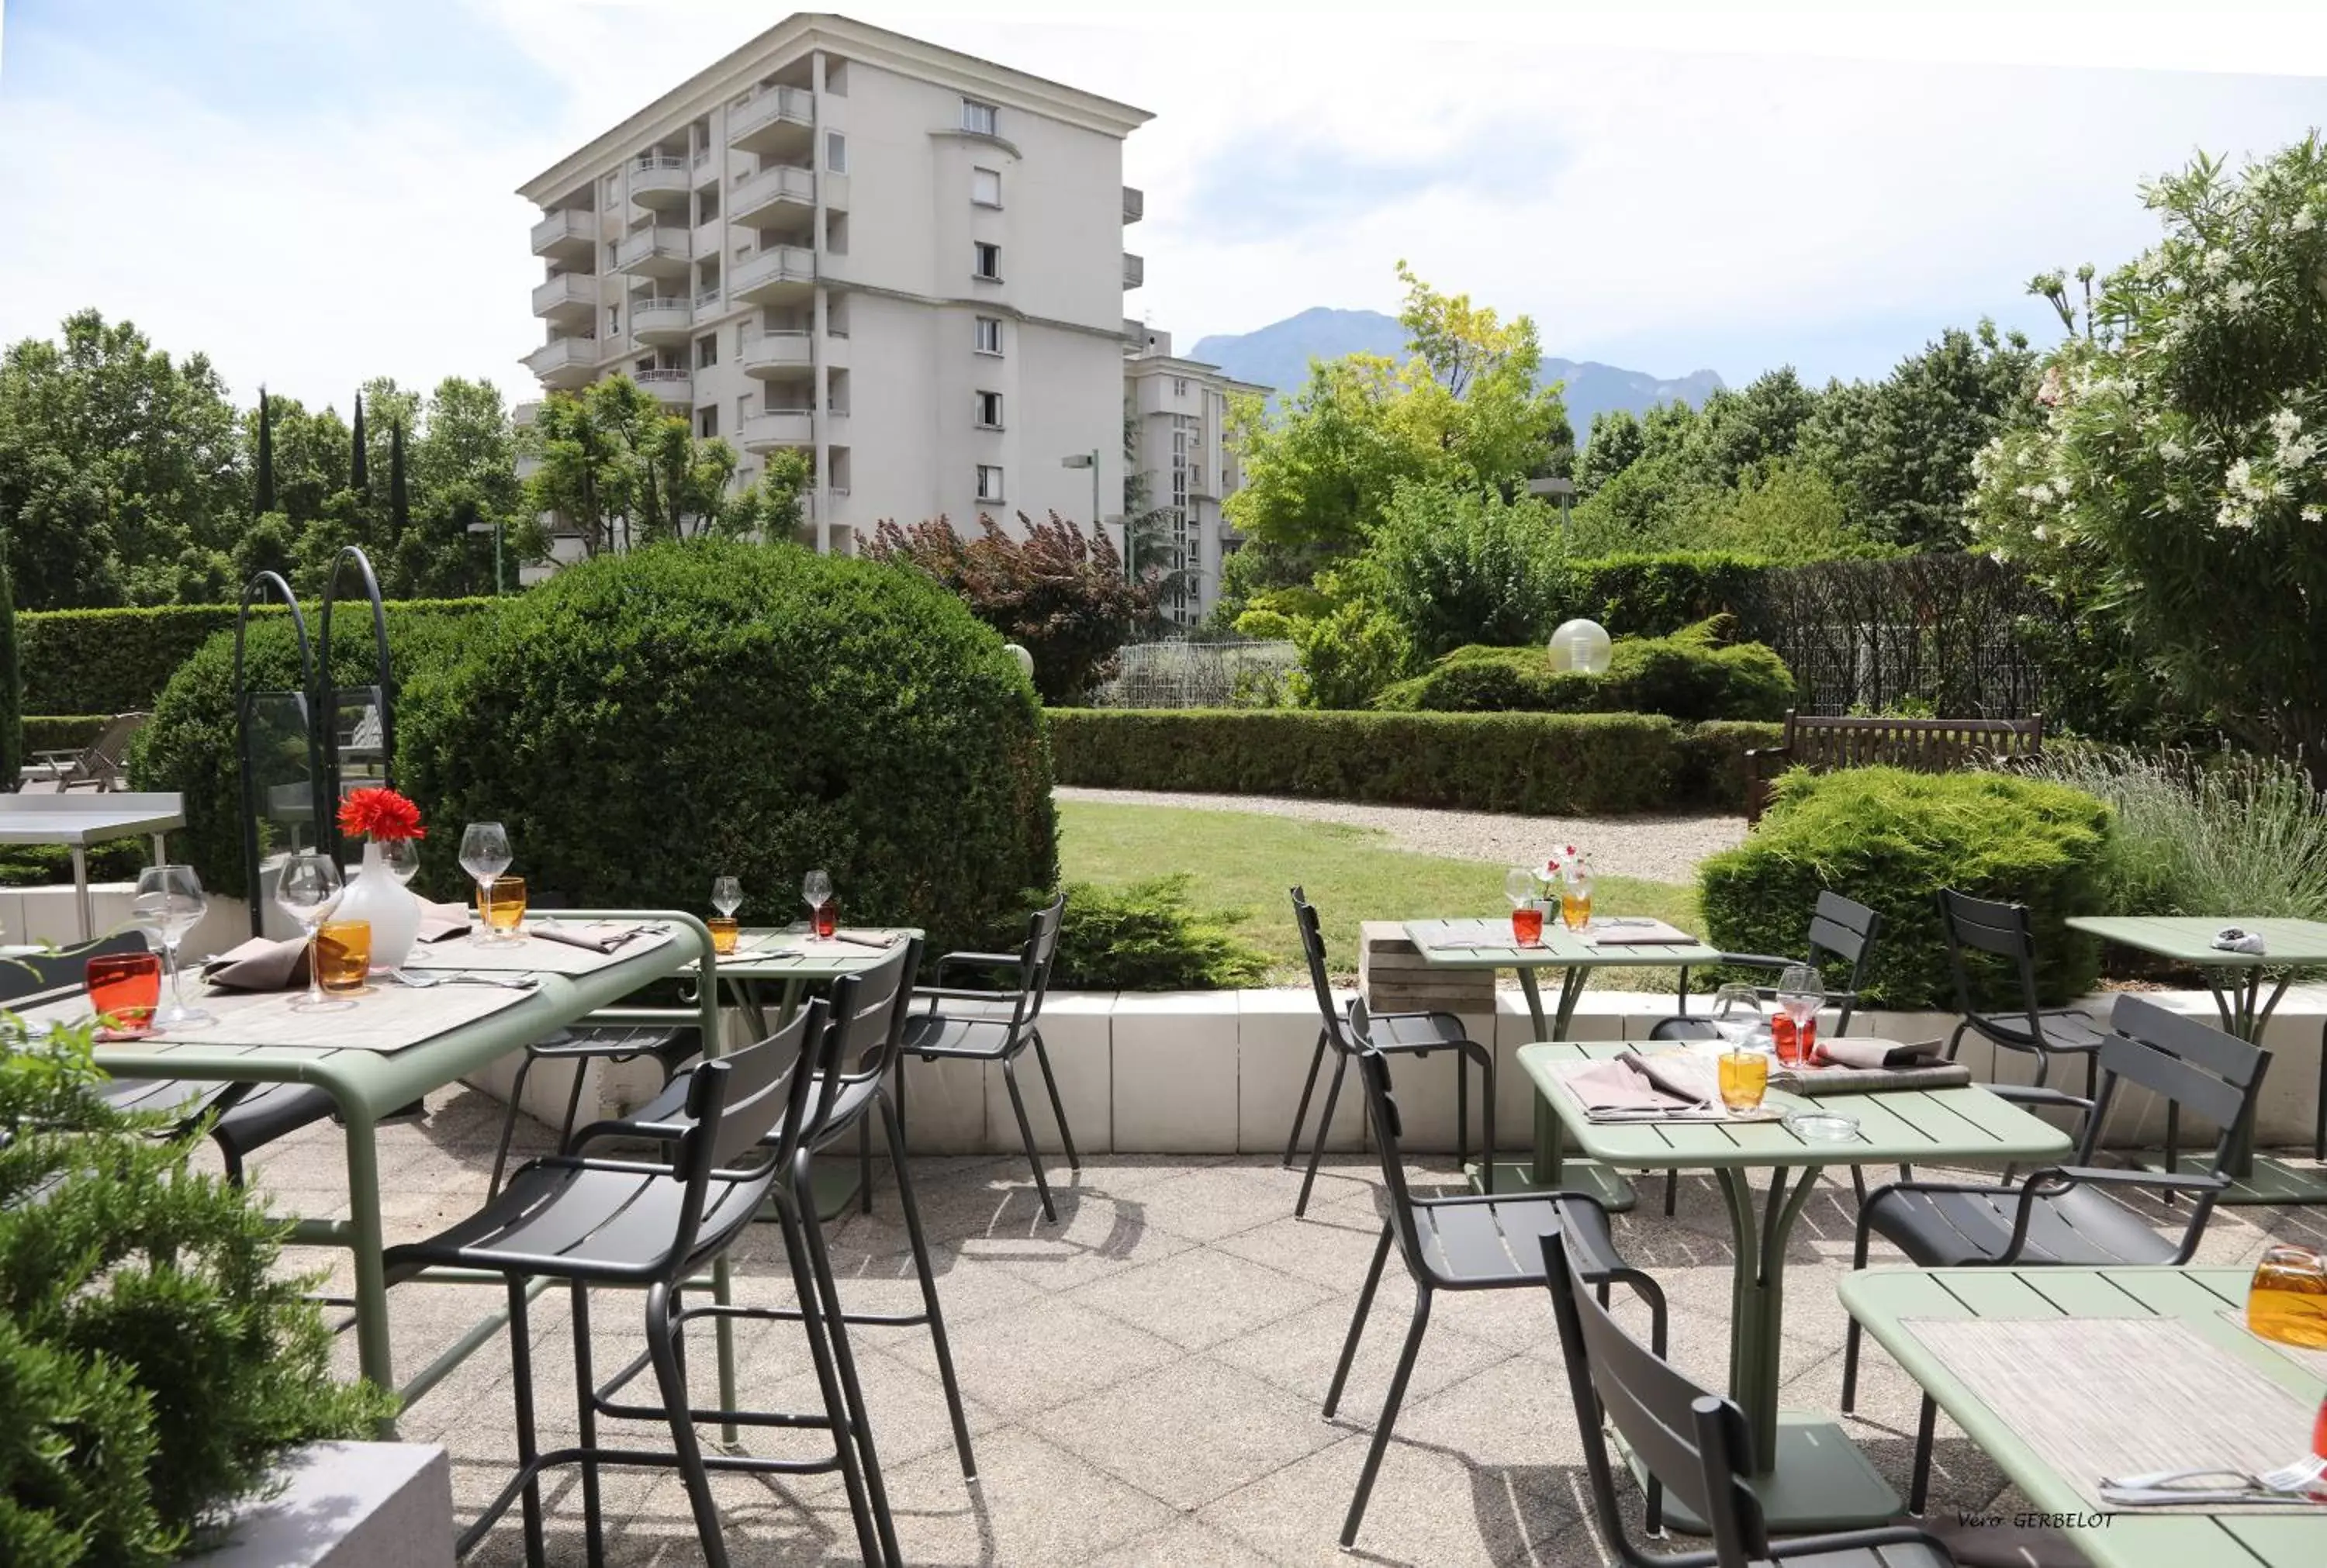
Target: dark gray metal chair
[868,1012]
[1841,930]
[1691,1441]
[1416,1034]
[936,1036]
[667,1046]
[640,1224]
[2063,1214]
[247,1117]
[2002,931]
[1477,1243]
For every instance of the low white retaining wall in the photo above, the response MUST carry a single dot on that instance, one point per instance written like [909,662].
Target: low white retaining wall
[347,1505]
[1221,1072]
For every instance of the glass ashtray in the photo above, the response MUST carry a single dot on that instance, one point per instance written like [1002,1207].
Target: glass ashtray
[1822,1127]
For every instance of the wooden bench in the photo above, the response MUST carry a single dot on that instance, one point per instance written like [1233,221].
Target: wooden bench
[1822,742]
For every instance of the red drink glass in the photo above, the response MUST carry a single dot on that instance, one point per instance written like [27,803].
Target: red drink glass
[1786,1037]
[1806,1045]
[828,916]
[1526,925]
[126,988]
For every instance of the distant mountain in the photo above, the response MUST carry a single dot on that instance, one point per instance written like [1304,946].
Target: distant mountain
[1279,356]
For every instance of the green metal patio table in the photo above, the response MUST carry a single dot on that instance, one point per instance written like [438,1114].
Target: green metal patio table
[1890,1302]
[1488,944]
[2236,981]
[1813,1478]
[367,1085]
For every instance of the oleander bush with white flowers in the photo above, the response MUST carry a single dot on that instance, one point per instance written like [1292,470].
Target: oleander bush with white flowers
[2176,481]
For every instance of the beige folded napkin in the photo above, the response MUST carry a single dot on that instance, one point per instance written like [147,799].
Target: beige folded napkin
[1632,1085]
[261,963]
[1868,1066]
[442,922]
[598,936]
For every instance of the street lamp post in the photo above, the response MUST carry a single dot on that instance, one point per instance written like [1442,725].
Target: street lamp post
[1563,490]
[494,529]
[1089,460]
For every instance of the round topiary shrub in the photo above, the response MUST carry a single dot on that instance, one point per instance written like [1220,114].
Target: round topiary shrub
[1892,839]
[645,723]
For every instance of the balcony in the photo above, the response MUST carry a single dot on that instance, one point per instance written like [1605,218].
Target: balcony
[568,233]
[661,181]
[655,252]
[1135,333]
[786,184]
[1135,270]
[1135,204]
[773,118]
[778,428]
[676,388]
[569,296]
[564,361]
[523,415]
[773,354]
[778,274]
[661,318]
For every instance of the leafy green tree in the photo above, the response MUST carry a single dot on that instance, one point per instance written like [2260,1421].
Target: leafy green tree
[618,471]
[1450,568]
[1465,410]
[1615,444]
[1901,449]
[12,687]
[120,468]
[2173,481]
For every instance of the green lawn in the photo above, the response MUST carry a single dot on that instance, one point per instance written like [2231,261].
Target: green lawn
[1245,861]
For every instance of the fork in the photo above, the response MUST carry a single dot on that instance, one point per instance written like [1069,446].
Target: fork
[419,982]
[2297,1477]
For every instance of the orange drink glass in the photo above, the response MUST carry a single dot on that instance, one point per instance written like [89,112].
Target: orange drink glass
[723,933]
[1575,906]
[342,955]
[1744,1079]
[502,908]
[2288,1299]
[125,988]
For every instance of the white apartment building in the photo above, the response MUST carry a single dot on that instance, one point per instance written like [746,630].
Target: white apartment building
[1176,413]
[901,260]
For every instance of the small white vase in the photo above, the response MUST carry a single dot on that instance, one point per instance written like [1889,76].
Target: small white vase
[392,908]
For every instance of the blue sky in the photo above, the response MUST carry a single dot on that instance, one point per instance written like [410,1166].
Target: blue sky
[317,191]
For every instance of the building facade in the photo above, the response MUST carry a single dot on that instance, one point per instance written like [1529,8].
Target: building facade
[1182,467]
[904,261]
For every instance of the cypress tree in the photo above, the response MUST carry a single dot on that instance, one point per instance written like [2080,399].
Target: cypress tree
[359,479]
[12,726]
[265,500]
[399,505]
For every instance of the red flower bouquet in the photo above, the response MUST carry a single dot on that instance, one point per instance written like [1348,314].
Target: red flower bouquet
[380,815]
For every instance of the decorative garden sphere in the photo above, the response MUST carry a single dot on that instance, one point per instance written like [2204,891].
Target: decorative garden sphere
[1580,647]
[1025,660]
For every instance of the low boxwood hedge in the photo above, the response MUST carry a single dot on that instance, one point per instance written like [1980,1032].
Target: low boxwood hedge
[1891,840]
[1655,595]
[1542,763]
[1691,676]
[61,731]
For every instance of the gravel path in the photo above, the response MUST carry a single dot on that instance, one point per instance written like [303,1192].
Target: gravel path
[1655,848]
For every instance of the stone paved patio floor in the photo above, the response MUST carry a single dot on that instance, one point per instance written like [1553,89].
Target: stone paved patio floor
[1144,1378]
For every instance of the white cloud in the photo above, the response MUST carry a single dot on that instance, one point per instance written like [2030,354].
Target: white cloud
[1777,185]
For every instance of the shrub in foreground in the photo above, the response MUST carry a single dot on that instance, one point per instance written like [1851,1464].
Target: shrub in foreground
[155,1361]
[1891,840]
[1147,937]
[1688,676]
[647,722]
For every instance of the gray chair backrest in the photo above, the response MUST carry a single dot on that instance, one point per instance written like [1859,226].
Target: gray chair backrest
[1389,1127]
[1312,947]
[1693,1441]
[1034,962]
[769,1089]
[38,977]
[2000,929]
[874,1034]
[1846,929]
[2191,1065]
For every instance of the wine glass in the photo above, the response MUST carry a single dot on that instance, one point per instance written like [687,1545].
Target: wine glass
[727,896]
[170,900]
[1519,886]
[1737,1011]
[484,855]
[815,888]
[1801,992]
[309,890]
[401,856]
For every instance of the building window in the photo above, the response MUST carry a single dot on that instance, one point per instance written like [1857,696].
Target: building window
[836,152]
[835,77]
[707,204]
[836,316]
[985,187]
[989,334]
[1179,386]
[989,482]
[745,407]
[987,263]
[989,410]
[613,321]
[835,232]
[706,422]
[979,119]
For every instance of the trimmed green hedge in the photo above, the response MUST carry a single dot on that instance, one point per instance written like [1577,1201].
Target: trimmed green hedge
[61,731]
[117,661]
[1688,676]
[1540,763]
[1646,595]
[1891,840]
[1713,760]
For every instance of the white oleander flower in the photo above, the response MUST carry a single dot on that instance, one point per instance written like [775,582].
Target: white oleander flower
[2304,220]
[2234,515]
[2172,501]
[2238,298]
[2239,477]
[2285,424]
[2214,262]
[2310,514]
[2297,452]
[2039,531]
[2172,451]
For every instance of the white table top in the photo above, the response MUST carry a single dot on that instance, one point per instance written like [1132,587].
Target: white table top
[85,819]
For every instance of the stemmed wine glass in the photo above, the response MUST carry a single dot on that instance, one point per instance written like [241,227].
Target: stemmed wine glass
[401,856]
[816,889]
[484,855]
[1801,992]
[170,899]
[727,896]
[1519,886]
[309,890]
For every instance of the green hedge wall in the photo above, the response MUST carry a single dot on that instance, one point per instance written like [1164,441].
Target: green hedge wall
[1713,760]
[1645,595]
[117,661]
[1687,676]
[61,731]
[1542,763]
[1891,840]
